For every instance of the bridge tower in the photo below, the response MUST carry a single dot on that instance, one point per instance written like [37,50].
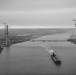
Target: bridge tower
[75,21]
[7,41]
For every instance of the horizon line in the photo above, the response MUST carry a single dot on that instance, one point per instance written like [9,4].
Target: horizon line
[30,27]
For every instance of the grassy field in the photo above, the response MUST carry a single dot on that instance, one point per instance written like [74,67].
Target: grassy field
[24,34]
[46,31]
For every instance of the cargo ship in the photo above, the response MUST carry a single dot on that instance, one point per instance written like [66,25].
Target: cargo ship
[54,57]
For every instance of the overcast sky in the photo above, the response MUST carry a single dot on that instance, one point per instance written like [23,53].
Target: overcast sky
[48,13]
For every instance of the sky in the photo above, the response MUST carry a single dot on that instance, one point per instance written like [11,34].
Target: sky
[38,13]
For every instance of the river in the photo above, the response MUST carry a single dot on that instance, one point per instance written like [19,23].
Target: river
[32,58]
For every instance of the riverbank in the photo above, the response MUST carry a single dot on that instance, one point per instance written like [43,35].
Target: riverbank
[22,35]
[72,38]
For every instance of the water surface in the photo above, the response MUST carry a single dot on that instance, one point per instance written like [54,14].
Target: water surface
[33,58]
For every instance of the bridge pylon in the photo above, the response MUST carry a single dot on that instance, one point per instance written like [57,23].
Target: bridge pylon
[7,40]
[75,21]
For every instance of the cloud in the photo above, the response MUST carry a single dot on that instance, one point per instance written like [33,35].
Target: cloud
[38,12]
[23,5]
[44,11]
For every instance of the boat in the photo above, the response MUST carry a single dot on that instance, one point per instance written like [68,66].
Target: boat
[56,59]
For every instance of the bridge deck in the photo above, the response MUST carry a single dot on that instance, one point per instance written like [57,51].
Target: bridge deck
[49,40]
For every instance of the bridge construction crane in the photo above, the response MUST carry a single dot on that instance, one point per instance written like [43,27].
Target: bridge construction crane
[75,21]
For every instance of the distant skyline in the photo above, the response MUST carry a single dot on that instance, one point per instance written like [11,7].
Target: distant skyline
[38,13]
